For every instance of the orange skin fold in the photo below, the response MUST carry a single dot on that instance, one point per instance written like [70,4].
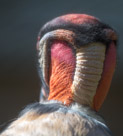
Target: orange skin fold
[61,72]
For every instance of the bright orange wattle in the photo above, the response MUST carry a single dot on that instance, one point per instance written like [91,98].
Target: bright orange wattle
[61,72]
[104,85]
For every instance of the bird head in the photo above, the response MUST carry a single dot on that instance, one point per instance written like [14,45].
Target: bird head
[77,57]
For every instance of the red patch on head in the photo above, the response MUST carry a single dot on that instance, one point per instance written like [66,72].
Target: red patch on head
[62,52]
[61,72]
[78,18]
[104,85]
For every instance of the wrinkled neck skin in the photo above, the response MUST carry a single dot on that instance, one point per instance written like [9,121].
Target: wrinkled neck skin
[81,75]
[74,76]
[62,68]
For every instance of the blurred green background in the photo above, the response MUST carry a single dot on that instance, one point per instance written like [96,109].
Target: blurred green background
[20,21]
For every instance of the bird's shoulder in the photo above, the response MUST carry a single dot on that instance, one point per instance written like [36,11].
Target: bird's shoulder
[52,118]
